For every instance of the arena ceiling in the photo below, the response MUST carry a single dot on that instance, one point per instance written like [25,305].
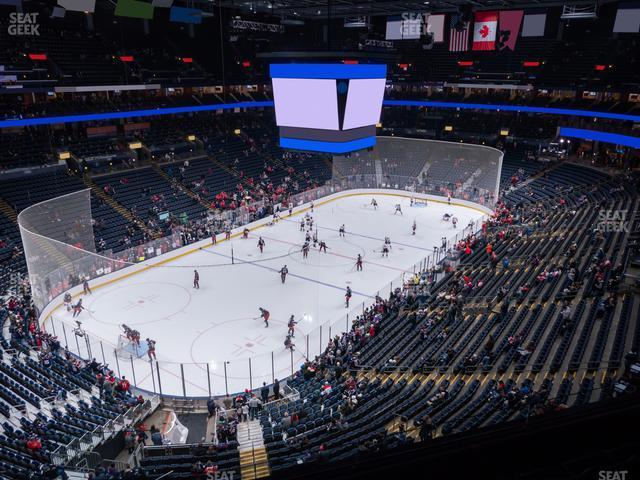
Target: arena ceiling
[353,8]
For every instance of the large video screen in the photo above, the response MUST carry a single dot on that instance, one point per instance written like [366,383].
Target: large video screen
[328,107]
[364,102]
[320,108]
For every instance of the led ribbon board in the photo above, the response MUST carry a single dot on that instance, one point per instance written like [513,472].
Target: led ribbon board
[330,108]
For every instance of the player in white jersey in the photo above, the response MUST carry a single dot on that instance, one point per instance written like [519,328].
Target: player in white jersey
[398,209]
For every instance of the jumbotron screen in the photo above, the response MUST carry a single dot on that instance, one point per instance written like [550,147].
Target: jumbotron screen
[330,108]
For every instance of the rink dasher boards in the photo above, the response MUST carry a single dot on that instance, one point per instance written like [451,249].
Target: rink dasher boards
[217,327]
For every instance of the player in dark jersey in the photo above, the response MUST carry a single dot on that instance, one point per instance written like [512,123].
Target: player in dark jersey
[261,244]
[196,280]
[347,296]
[151,350]
[359,263]
[283,273]
[264,314]
[77,308]
[292,327]
[288,343]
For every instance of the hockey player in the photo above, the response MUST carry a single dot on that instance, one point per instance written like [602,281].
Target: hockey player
[315,238]
[283,273]
[261,244]
[85,287]
[347,296]
[292,327]
[245,233]
[196,280]
[307,237]
[413,228]
[387,242]
[398,209]
[374,204]
[290,209]
[151,349]
[312,206]
[214,238]
[227,234]
[449,198]
[454,221]
[67,301]
[264,314]
[77,308]
[323,246]
[359,263]
[446,217]
[302,224]
[341,232]
[385,250]
[305,250]
[288,343]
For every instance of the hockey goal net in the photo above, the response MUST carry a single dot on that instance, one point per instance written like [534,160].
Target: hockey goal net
[419,202]
[127,348]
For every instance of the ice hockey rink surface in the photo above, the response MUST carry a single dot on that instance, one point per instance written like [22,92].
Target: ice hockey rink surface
[218,325]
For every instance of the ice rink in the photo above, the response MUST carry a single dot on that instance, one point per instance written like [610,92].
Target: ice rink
[213,336]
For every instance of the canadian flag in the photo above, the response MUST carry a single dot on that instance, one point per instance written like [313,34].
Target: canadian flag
[484,31]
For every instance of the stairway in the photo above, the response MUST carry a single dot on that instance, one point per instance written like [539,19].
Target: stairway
[379,171]
[8,211]
[254,461]
[98,192]
[188,192]
[37,241]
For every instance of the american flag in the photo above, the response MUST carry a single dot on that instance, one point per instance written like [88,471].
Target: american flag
[458,39]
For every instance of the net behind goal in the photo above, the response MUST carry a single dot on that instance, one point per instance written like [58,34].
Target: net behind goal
[419,202]
[127,349]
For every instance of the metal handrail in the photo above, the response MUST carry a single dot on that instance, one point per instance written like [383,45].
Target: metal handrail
[66,453]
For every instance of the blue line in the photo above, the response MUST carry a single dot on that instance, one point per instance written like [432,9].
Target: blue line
[606,137]
[366,236]
[245,262]
[329,147]
[327,70]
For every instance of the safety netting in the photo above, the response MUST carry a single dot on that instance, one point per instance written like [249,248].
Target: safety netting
[460,170]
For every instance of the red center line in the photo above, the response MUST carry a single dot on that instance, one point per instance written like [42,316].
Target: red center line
[339,255]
